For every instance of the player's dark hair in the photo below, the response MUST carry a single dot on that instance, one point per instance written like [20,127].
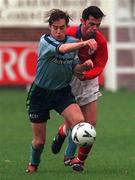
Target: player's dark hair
[93,11]
[57,14]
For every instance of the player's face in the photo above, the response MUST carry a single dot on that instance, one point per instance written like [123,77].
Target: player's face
[90,25]
[58,29]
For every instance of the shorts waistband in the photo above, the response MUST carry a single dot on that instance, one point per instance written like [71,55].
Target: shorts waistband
[50,90]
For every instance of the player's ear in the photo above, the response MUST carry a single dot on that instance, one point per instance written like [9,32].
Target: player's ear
[82,21]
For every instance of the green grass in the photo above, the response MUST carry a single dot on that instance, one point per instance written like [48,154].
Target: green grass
[112,157]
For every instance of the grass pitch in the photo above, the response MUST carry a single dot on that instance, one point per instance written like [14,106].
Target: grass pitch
[113,154]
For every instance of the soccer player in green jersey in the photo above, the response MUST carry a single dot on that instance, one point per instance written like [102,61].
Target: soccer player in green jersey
[57,61]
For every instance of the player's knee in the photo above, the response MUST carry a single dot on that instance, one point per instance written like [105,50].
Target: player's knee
[39,143]
[78,120]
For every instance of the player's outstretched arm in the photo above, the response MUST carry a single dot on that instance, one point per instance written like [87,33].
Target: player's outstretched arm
[68,47]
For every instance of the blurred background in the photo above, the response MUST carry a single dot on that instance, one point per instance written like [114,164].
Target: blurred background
[22,24]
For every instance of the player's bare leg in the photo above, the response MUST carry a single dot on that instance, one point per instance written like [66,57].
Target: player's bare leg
[90,112]
[37,146]
[72,115]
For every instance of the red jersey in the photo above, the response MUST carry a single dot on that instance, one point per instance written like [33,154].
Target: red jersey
[99,57]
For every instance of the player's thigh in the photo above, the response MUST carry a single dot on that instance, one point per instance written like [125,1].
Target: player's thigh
[73,114]
[90,112]
[39,132]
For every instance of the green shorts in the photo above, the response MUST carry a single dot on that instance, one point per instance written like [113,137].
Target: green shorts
[40,101]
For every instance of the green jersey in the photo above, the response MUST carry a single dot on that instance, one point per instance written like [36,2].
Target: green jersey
[54,69]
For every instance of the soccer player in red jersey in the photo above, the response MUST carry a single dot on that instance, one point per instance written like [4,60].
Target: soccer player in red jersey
[85,86]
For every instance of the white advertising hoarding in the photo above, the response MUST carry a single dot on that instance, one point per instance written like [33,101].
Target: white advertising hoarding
[32,12]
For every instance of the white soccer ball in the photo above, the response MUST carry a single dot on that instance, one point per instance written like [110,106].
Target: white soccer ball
[83,134]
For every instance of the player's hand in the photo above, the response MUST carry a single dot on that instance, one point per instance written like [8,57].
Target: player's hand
[87,65]
[92,44]
[79,75]
[81,68]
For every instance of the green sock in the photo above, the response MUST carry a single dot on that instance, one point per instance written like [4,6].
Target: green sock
[35,154]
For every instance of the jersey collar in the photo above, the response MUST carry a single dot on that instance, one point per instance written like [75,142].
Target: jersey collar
[79,34]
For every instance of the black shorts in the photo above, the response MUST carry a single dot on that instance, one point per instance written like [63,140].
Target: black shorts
[40,101]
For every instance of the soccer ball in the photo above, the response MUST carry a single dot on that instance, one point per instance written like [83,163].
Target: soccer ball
[83,134]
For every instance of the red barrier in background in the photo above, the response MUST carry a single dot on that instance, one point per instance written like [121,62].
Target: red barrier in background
[17,63]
